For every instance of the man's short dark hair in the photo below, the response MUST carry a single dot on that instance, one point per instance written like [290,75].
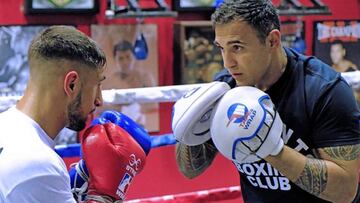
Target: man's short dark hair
[338,42]
[123,45]
[66,42]
[260,14]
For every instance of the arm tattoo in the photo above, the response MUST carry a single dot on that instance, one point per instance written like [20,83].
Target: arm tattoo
[193,160]
[313,178]
[347,153]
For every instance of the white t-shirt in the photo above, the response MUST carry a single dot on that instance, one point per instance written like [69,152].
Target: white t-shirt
[30,169]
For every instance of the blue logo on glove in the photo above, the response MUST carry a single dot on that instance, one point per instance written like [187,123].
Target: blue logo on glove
[237,113]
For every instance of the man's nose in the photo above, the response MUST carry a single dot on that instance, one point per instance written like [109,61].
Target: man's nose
[229,60]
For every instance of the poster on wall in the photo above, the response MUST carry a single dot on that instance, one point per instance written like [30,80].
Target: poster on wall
[132,62]
[293,35]
[196,58]
[61,6]
[14,68]
[337,43]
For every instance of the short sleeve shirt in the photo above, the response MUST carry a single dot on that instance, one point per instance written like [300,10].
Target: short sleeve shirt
[30,170]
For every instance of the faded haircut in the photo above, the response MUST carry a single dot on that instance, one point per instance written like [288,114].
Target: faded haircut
[260,14]
[66,42]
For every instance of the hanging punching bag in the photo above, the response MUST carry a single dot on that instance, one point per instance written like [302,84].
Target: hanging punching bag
[140,47]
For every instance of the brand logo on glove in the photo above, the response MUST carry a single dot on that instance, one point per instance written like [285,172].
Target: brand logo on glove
[1,149]
[191,92]
[124,185]
[134,162]
[239,114]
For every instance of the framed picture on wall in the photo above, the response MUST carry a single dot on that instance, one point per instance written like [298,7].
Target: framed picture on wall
[61,6]
[337,43]
[293,35]
[199,5]
[14,69]
[196,59]
[132,61]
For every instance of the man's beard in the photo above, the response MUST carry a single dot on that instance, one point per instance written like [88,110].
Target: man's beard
[77,121]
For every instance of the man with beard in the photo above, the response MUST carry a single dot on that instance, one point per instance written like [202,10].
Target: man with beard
[64,89]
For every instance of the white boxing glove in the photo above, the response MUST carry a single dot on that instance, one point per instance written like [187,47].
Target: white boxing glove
[191,113]
[245,126]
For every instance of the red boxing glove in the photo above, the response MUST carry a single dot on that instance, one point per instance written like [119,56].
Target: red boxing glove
[113,159]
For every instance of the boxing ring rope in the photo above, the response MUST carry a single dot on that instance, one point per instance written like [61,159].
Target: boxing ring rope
[147,95]
[125,96]
[212,195]
[150,95]
[353,78]
[156,94]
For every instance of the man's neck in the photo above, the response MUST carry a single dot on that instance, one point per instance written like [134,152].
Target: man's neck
[50,119]
[275,71]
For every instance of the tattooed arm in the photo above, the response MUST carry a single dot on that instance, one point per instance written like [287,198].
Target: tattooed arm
[193,160]
[332,176]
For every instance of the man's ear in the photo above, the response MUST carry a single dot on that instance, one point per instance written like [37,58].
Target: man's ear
[274,38]
[71,83]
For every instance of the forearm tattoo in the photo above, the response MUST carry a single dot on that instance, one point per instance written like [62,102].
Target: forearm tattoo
[347,153]
[313,178]
[193,160]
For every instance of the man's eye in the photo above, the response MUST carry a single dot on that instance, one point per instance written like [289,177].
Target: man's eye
[237,48]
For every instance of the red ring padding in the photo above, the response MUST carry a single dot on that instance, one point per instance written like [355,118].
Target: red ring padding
[219,194]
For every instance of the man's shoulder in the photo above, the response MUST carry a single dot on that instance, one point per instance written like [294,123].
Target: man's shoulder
[26,165]
[22,149]
[315,72]
[26,155]
[37,184]
[6,114]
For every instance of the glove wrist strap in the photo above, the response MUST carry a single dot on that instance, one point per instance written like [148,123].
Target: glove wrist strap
[79,192]
[81,171]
